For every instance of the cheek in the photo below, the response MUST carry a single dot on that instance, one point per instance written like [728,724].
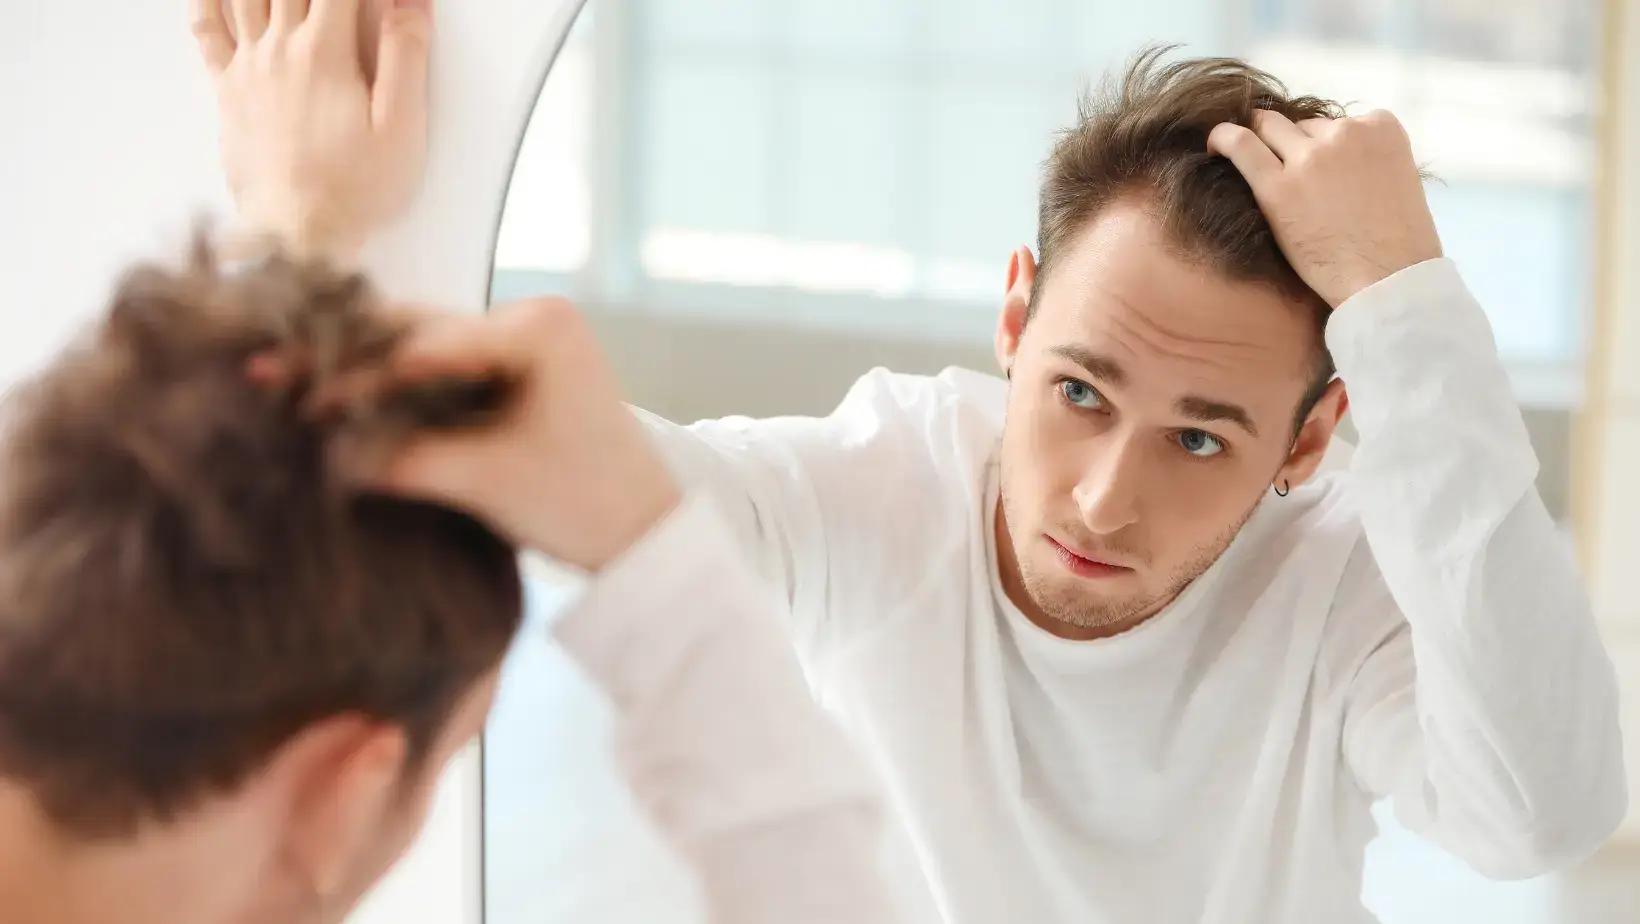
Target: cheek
[1039,454]
[1198,502]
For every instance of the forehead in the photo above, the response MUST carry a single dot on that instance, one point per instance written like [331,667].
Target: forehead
[1122,290]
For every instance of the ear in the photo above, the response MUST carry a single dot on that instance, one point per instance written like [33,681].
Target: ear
[1016,303]
[347,773]
[1316,435]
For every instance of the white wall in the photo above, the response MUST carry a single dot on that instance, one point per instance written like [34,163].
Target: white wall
[107,152]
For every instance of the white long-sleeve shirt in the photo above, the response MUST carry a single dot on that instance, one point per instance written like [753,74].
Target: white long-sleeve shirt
[724,749]
[1410,624]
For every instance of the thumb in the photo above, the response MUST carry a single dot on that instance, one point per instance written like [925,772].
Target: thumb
[400,103]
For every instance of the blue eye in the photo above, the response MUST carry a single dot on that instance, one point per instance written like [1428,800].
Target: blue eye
[1081,394]
[1201,444]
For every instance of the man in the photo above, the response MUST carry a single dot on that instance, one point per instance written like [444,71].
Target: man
[1123,640]
[233,665]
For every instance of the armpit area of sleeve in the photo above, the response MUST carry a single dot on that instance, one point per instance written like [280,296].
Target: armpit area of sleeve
[644,614]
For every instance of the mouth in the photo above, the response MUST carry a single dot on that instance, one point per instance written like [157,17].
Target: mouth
[1086,566]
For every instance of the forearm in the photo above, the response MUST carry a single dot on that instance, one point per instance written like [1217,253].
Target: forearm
[1515,695]
[721,741]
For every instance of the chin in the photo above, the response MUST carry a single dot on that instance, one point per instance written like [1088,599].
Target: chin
[1059,594]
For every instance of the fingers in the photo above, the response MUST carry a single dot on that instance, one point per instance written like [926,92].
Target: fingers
[431,461]
[1317,128]
[1246,150]
[282,367]
[336,23]
[505,345]
[399,108]
[1280,134]
[210,27]
[464,347]
[287,15]
[250,19]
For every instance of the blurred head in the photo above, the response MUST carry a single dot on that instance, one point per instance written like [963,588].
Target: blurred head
[219,660]
[1167,365]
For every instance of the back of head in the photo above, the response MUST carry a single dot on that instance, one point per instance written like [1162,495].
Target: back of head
[1144,137]
[187,579]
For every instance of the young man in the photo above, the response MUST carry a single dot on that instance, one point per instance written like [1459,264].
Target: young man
[1125,632]
[233,665]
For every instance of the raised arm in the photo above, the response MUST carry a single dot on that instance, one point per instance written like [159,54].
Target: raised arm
[1483,703]
[722,743]
[1486,707]
[320,156]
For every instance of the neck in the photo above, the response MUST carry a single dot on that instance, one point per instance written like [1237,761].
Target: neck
[157,875]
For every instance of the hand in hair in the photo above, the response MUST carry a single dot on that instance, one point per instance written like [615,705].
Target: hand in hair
[324,124]
[191,573]
[1344,196]
[566,469]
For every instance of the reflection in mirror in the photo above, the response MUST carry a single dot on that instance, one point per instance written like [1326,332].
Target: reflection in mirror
[757,201]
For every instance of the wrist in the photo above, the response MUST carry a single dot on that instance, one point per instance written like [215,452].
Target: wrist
[1376,276]
[618,527]
[304,233]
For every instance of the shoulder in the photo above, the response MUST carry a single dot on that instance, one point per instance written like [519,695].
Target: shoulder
[1313,544]
[888,424]
[956,399]
[918,441]
[1359,612]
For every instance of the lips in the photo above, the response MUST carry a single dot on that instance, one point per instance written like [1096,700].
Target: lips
[1085,565]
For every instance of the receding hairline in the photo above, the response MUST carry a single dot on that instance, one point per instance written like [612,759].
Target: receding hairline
[1143,202]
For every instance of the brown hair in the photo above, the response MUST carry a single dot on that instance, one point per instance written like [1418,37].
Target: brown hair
[1145,136]
[187,579]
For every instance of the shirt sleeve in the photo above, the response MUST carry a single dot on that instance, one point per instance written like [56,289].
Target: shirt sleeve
[721,743]
[1484,705]
[814,501]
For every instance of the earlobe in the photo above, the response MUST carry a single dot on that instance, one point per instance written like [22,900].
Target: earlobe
[1314,437]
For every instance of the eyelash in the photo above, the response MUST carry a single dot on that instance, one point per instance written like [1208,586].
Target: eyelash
[1059,392]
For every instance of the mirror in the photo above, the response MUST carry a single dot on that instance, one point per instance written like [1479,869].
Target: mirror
[756,201]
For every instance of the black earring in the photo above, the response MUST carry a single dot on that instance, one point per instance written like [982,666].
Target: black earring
[1285,489]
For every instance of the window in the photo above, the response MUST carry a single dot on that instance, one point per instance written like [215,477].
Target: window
[872,162]
[1499,98]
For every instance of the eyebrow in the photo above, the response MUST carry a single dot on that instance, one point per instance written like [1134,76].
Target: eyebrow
[1100,367]
[1201,410]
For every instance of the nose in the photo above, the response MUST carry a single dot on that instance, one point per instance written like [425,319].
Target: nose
[1108,495]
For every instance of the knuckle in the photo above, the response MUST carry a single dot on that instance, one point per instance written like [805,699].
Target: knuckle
[1233,137]
[275,45]
[407,26]
[204,30]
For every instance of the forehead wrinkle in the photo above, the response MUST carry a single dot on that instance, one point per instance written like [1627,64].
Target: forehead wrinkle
[1192,349]
[1085,287]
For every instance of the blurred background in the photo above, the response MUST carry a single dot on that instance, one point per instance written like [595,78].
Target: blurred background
[862,168]
[759,200]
